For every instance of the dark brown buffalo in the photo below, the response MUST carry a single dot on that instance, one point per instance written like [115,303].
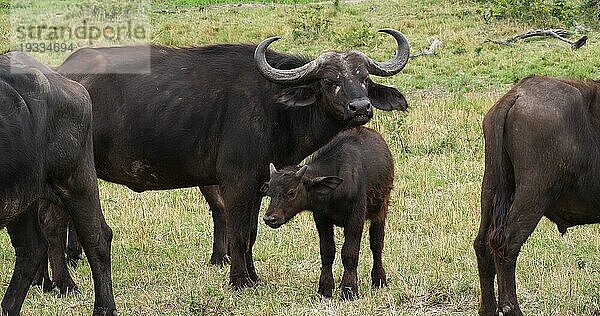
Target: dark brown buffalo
[215,116]
[346,182]
[542,143]
[46,157]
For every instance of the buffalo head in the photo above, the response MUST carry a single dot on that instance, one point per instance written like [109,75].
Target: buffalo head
[291,192]
[339,81]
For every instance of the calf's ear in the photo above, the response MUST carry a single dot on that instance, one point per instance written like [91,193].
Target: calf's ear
[297,96]
[386,98]
[324,185]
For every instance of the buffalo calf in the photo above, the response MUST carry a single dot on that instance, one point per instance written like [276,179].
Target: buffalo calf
[542,158]
[47,158]
[344,183]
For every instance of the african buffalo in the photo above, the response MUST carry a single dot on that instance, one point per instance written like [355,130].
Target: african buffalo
[344,183]
[215,116]
[46,145]
[542,158]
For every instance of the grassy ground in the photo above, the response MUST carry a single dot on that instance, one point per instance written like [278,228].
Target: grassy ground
[209,2]
[163,239]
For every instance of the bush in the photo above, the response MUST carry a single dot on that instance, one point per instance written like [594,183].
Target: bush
[545,12]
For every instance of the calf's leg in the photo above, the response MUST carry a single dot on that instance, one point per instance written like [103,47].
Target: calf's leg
[376,236]
[327,249]
[217,208]
[30,248]
[352,235]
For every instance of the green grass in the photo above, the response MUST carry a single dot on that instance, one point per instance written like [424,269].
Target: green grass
[209,2]
[163,239]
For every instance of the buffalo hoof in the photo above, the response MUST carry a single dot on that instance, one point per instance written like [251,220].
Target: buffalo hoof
[241,282]
[45,284]
[488,311]
[254,277]
[67,288]
[9,312]
[378,278]
[326,285]
[349,293]
[103,311]
[508,310]
[73,257]
[378,282]
[325,291]
[220,259]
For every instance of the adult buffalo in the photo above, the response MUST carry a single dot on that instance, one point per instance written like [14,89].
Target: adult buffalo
[46,146]
[542,149]
[215,116]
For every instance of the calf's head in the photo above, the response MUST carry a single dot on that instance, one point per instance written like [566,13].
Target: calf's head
[339,82]
[292,191]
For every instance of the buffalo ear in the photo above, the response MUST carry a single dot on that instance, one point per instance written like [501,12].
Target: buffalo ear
[264,190]
[324,185]
[386,98]
[297,96]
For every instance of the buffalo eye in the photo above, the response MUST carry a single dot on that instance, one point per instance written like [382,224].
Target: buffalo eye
[291,194]
[331,83]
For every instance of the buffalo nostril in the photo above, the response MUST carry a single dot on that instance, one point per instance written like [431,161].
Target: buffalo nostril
[359,105]
[270,219]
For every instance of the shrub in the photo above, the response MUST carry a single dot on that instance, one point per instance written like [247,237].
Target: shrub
[544,12]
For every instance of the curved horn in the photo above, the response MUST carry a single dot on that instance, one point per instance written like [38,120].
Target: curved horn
[301,172]
[272,169]
[291,76]
[396,64]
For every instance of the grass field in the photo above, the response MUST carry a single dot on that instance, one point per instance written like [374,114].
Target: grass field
[162,240]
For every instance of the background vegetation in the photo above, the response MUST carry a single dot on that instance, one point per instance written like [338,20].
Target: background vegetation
[163,239]
[545,12]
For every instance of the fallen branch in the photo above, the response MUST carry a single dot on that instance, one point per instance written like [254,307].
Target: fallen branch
[556,33]
[430,51]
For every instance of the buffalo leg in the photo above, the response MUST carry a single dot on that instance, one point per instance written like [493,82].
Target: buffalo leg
[327,250]
[217,208]
[376,236]
[485,258]
[253,233]
[55,228]
[42,278]
[74,252]
[241,217]
[350,249]
[30,248]
[79,195]
[526,211]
